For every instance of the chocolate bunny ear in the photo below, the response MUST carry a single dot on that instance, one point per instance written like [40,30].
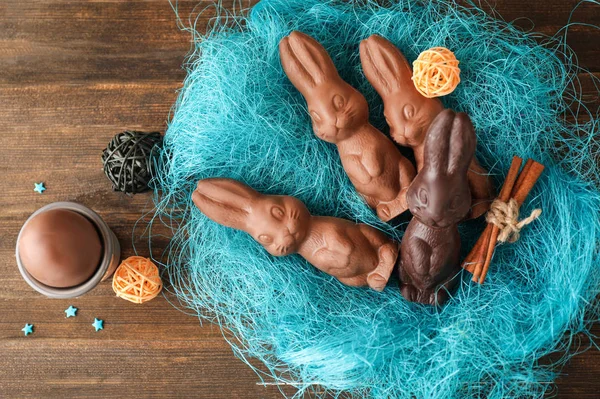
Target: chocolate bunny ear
[450,143]
[462,144]
[384,65]
[305,61]
[225,201]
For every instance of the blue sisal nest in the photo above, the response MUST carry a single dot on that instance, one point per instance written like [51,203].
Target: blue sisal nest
[239,116]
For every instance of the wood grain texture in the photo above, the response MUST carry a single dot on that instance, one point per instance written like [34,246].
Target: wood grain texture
[72,74]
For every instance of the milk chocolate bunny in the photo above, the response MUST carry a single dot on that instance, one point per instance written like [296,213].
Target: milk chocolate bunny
[409,114]
[439,198]
[340,115]
[356,254]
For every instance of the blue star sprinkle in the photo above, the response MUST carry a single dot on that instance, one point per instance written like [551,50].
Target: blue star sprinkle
[71,311]
[39,187]
[98,324]
[28,329]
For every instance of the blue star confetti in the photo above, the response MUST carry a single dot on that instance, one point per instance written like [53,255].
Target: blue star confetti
[28,329]
[71,311]
[39,187]
[98,324]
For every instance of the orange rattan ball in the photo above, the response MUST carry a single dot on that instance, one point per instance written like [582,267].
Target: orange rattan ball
[436,72]
[137,280]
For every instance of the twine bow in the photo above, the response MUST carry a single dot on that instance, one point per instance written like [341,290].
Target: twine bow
[505,215]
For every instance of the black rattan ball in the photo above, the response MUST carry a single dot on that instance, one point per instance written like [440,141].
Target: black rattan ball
[129,160]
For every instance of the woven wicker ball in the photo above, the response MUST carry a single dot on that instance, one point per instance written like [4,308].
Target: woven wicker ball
[137,280]
[128,160]
[436,72]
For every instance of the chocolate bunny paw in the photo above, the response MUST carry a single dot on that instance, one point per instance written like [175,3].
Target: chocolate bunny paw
[388,210]
[409,292]
[378,278]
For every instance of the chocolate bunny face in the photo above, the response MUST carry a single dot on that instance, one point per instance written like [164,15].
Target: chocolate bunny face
[335,111]
[278,223]
[390,74]
[333,104]
[439,196]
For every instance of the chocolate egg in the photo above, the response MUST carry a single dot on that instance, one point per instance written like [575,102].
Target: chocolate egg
[60,248]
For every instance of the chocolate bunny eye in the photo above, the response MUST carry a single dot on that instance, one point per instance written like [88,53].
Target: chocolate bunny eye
[338,102]
[265,239]
[277,212]
[423,196]
[409,111]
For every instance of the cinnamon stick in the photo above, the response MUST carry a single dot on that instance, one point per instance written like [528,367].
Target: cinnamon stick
[476,258]
[525,183]
[522,175]
[478,252]
[511,178]
[479,278]
[507,188]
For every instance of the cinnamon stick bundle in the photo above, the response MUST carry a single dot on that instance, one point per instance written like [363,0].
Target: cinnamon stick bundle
[514,191]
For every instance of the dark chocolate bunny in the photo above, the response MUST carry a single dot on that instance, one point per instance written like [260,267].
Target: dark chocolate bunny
[439,197]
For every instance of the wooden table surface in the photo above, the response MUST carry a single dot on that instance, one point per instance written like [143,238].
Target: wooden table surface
[72,74]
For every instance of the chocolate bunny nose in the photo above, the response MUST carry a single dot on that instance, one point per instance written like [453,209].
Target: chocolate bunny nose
[327,131]
[440,222]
